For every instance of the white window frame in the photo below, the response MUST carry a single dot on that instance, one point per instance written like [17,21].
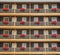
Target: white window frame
[54,5]
[24,44]
[24,32]
[36,32]
[54,31]
[36,44]
[5,5]
[5,31]
[24,6]
[35,19]
[54,19]
[4,44]
[36,6]
[24,19]
[54,44]
[4,18]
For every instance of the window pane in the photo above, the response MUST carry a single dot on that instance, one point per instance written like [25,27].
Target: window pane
[54,18]
[6,32]
[6,19]
[54,6]
[35,6]
[24,6]
[6,6]
[24,19]
[54,31]
[35,31]
[54,44]
[24,31]
[35,19]
[24,44]
[35,45]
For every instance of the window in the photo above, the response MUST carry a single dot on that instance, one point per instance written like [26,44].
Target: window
[6,18]
[24,44]
[35,45]
[24,31]
[6,44]
[35,31]
[54,31]
[24,19]
[54,6]
[54,44]
[6,6]
[24,6]
[35,6]
[54,18]
[6,31]
[35,19]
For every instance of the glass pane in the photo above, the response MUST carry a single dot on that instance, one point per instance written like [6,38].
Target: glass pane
[6,32]
[35,6]
[24,44]
[35,31]
[6,18]
[6,44]
[24,31]
[54,6]
[54,31]
[24,6]
[35,19]
[35,45]
[54,44]
[54,18]
[6,5]
[24,19]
